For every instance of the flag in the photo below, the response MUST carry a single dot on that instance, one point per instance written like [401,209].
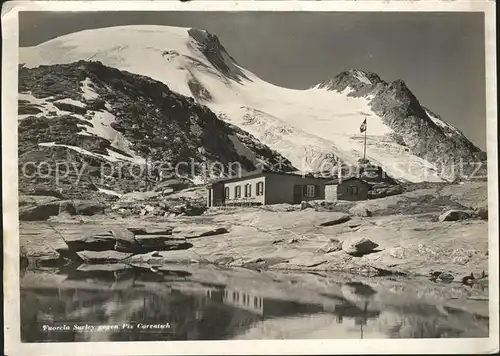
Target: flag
[362,128]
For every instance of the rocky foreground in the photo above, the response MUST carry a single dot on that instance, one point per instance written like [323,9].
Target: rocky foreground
[442,230]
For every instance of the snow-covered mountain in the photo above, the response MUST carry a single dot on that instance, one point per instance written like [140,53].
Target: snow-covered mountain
[308,127]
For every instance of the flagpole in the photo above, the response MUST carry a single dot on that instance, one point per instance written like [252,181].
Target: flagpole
[364,148]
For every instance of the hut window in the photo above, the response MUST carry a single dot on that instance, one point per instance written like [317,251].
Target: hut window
[237,191]
[248,190]
[352,190]
[311,191]
[226,192]
[260,188]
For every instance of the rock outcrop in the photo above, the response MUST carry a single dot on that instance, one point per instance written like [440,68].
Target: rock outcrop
[359,247]
[360,211]
[454,215]
[41,208]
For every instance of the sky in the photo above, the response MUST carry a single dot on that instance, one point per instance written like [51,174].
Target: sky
[440,56]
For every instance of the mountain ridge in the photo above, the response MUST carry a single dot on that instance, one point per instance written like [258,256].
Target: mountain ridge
[95,115]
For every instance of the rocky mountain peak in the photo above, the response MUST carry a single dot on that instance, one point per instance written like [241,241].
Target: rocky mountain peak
[211,47]
[353,78]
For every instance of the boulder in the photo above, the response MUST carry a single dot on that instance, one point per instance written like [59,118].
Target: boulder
[98,242]
[117,238]
[482,213]
[333,246]
[360,211]
[178,209]
[133,197]
[359,247]
[124,239]
[96,104]
[305,205]
[108,256]
[454,215]
[149,208]
[45,191]
[46,207]
[440,276]
[342,218]
[35,200]
[195,209]
[70,107]
[26,109]
[173,184]
[42,211]
[86,207]
[42,252]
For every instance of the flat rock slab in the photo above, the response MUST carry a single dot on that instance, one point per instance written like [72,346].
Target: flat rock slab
[40,212]
[103,256]
[193,232]
[35,199]
[99,242]
[332,246]
[307,261]
[152,240]
[97,238]
[151,230]
[336,220]
[43,250]
[161,243]
[263,262]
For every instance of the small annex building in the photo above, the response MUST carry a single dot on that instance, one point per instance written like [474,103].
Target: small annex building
[265,188]
[352,188]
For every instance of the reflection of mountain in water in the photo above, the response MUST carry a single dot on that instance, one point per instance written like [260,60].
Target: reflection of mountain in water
[195,310]
[207,313]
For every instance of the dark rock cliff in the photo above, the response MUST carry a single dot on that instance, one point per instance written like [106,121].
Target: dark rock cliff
[167,128]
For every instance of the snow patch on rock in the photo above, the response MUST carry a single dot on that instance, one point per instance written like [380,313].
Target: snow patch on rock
[111,157]
[88,92]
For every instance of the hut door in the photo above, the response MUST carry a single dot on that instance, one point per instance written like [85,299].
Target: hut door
[297,194]
[210,194]
[330,192]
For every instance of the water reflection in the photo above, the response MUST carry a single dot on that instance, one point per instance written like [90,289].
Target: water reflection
[141,301]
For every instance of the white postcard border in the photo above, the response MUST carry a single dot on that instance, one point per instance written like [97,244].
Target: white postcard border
[13,346]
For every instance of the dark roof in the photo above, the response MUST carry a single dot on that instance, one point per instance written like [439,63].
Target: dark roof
[342,180]
[258,173]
